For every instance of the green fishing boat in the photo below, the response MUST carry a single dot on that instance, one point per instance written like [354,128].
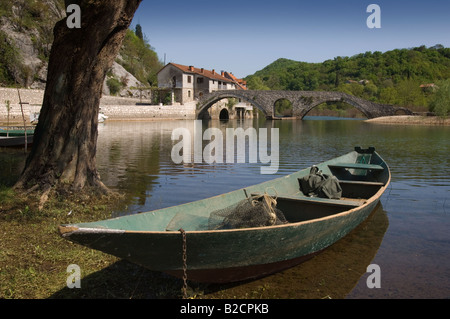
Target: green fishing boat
[14,132]
[306,211]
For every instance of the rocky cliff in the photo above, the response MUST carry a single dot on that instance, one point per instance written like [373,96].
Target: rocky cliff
[26,35]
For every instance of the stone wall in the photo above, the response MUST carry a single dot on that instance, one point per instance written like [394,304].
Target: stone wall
[149,112]
[116,108]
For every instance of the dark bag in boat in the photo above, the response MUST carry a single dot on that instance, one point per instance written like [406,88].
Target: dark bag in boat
[317,184]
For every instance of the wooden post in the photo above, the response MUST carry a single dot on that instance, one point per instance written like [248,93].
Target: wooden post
[23,117]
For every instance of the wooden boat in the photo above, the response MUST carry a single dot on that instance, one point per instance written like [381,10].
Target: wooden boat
[15,141]
[154,239]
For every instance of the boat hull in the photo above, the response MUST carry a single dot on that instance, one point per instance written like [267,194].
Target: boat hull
[219,256]
[227,256]
[15,141]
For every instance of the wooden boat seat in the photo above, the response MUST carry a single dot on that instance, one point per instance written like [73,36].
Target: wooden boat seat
[300,197]
[362,183]
[357,166]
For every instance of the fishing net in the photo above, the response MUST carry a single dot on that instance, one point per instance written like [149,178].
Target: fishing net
[255,211]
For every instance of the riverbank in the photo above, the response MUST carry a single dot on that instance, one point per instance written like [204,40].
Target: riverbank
[410,120]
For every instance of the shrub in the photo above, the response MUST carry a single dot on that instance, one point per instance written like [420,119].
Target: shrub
[440,104]
[114,86]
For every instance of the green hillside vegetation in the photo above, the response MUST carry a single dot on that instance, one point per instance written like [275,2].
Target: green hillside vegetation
[394,77]
[139,58]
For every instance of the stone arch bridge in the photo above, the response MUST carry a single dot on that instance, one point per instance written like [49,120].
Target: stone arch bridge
[302,102]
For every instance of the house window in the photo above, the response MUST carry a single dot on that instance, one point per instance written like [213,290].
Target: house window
[199,80]
[189,79]
[189,93]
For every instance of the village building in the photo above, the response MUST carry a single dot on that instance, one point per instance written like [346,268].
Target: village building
[187,84]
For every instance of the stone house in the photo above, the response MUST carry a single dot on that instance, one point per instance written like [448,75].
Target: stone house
[188,83]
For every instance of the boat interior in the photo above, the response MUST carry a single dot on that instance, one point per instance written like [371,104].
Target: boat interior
[360,176]
[360,173]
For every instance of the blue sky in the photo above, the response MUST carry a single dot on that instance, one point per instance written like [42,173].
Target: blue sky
[244,36]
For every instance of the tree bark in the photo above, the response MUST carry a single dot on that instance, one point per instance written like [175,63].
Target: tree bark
[65,140]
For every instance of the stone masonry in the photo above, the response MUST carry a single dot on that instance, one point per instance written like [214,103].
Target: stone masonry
[302,102]
[128,108]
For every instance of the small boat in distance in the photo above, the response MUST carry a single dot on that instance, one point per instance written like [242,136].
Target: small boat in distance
[163,239]
[15,132]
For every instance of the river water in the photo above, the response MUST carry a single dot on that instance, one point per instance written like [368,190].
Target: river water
[407,237]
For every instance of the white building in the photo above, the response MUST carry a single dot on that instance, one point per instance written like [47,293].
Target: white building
[189,83]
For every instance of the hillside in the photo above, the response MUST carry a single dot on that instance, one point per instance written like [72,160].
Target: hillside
[393,77]
[26,35]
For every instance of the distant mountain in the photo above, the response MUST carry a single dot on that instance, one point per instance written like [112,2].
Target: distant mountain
[401,76]
[26,36]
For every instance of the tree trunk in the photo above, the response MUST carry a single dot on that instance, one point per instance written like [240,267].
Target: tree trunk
[65,140]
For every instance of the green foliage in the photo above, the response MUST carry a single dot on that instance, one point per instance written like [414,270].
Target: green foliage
[138,32]
[114,86]
[9,60]
[283,107]
[255,83]
[139,58]
[393,77]
[441,100]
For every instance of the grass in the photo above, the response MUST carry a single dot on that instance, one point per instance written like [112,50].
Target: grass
[34,258]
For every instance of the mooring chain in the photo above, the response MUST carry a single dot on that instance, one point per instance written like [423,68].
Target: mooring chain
[184,249]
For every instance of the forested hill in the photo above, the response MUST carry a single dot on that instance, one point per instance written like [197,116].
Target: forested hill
[393,77]
[26,37]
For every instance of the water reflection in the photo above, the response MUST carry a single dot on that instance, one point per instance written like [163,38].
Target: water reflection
[134,157]
[330,274]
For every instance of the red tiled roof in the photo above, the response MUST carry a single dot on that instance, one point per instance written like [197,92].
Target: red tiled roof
[206,73]
[211,74]
[240,82]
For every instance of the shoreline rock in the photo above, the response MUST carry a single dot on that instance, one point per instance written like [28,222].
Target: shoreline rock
[410,120]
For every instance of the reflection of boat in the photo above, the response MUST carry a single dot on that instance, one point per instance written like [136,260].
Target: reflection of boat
[15,141]
[160,239]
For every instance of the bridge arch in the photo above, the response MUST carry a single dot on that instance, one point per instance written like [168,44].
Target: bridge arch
[345,99]
[208,101]
[224,114]
[283,107]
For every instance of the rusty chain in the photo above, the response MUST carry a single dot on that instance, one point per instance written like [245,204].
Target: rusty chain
[184,249]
